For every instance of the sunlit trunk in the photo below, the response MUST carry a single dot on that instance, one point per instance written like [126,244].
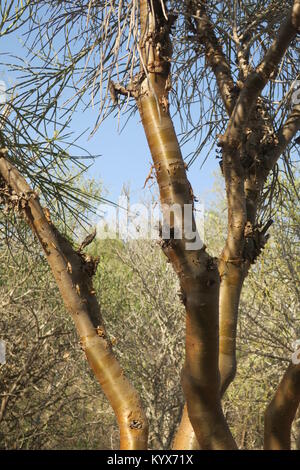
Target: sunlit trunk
[197,271]
[185,437]
[231,285]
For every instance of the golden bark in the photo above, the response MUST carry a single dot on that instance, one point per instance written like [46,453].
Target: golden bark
[231,285]
[73,274]
[197,271]
[185,437]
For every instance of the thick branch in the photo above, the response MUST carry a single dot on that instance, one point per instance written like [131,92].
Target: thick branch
[73,273]
[215,56]
[242,187]
[242,207]
[231,142]
[232,278]
[260,77]
[285,135]
[281,411]
[196,270]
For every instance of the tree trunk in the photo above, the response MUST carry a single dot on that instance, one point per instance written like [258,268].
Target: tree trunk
[197,271]
[232,277]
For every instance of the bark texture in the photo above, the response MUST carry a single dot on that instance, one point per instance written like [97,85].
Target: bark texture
[250,149]
[197,271]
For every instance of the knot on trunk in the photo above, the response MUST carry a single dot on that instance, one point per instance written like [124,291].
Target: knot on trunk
[14,201]
[90,264]
[255,240]
[132,89]
[135,424]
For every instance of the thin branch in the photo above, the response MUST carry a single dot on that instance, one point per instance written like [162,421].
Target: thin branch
[215,56]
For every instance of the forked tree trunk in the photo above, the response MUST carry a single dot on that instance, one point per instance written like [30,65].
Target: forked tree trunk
[243,188]
[198,275]
[232,278]
[73,273]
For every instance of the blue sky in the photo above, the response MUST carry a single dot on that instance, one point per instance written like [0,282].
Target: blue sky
[124,157]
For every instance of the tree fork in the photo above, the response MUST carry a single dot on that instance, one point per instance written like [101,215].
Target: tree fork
[242,189]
